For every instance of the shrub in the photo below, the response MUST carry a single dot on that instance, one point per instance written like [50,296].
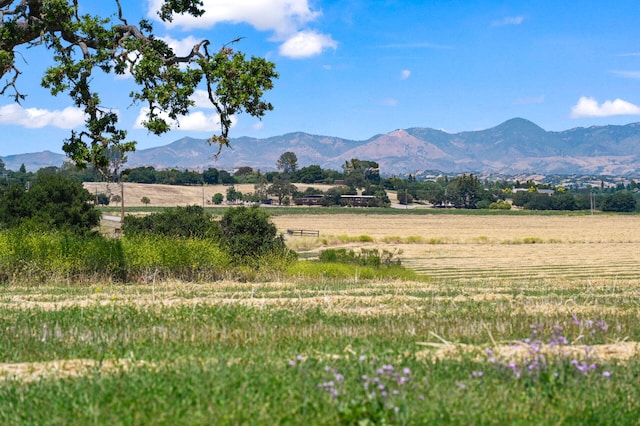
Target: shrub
[217,198]
[102,199]
[185,222]
[248,233]
[500,205]
[366,257]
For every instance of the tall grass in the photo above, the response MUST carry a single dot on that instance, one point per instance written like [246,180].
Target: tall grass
[32,256]
[59,256]
[42,257]
[156,257]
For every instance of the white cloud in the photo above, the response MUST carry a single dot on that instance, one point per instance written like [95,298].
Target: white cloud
[405,74]
[509,20]
[307,43]
[287,19]
[197,121]
[281,16]
[181,47]
[589,107]
[35,118]
[201,99]
[634,75]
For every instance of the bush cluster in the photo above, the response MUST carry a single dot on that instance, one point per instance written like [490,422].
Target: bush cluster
[180,222]
[365,257]
[247,233]
[244,233]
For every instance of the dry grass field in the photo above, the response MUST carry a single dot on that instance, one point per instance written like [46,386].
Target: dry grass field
[171,195]
[450,246]
[477,247]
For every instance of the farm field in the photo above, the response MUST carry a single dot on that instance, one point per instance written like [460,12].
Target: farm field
[493,247]
[171,195]
[516,319]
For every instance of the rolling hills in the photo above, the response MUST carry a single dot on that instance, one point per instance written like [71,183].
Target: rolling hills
[513,147]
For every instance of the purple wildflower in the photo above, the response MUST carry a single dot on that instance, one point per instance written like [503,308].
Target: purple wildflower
[603,326]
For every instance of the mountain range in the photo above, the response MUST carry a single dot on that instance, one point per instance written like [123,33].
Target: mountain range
[514,147]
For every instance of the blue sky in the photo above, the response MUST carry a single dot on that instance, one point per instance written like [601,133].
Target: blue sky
[355,68]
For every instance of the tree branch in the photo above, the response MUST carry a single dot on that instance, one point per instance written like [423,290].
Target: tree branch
[234,84]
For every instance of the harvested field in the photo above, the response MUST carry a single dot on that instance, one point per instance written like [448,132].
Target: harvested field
[172,195]
[461,247]
[473,228]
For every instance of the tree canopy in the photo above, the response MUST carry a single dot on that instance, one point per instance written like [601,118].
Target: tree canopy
[52,202]
[288,163]
[81,45]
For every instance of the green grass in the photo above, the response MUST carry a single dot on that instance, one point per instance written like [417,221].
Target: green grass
[212,362]
[255,391]
[247,353]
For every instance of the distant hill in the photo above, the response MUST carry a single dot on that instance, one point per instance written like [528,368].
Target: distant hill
[34,161]
[514,147]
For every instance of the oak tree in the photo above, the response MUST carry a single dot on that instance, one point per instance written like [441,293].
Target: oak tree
[82,45]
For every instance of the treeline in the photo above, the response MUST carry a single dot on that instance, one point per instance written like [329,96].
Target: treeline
[213,176]
[622,201]
[362,178]
[469,192]
[359,185]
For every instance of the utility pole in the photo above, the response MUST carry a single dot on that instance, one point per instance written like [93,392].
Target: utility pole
[121,201]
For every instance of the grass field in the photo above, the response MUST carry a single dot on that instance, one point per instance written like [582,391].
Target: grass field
[519,319]
[171,195]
